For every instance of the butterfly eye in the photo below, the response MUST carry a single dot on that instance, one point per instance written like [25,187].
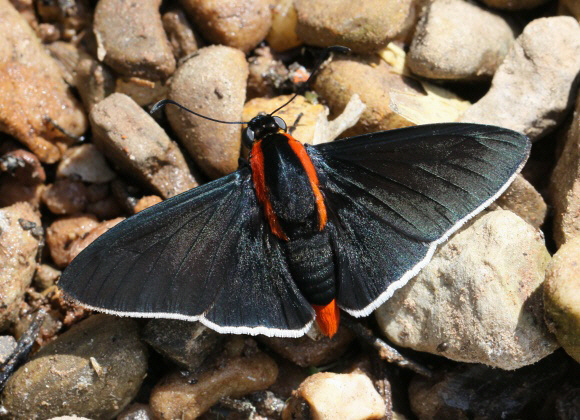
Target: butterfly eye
[280,123]
[248,137]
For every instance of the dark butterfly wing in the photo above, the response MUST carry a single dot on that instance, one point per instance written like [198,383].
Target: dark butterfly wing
[393,196]
[204,255]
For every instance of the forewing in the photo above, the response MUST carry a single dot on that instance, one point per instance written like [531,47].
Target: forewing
[203,255]
[393,196]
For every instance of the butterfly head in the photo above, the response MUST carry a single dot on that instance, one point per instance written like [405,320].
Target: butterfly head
[260,127]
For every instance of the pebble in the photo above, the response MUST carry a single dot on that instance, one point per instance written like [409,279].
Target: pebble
[375,23]
[45,276]
[186,343]
[132,139]
[31,89]
[67,56]
[514,4]
[7,347]
[21,165]
[93,80]
[531,89]
[330,396]
[480,392]
[19,246]
[522,198]
[83,241]
[237,23]
[305,351]
[242,370]
[93,370]
[562,297]
[105,209]
[266,74]
[282,35]
[565,184]
[217,94]
[182,37]
[473,306]
[85,163]
[131,39]
[457,40]
[62,232]
[147,201]
[12,191]
[137,411]
[65,196]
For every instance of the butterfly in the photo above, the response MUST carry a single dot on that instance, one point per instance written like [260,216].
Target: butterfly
[299,232]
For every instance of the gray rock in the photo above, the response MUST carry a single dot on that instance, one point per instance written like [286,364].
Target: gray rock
[457,40]
[19,242]
[332,22]
[138,145]
[93,370]
[479,299]
[522,198]
[7,346]
[85,163]
[240,24]
[217,94]
[93,81]
[182,37]
[531,91]
[565,184]
[185,343]
[131,39]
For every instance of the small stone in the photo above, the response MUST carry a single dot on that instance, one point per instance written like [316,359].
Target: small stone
[22,166]
[374,24]
[13,191]
[182,37]
[143,92]
[45,276]
[198,86]
[32,89]
[18,250]
[107,208]
[238,24]
[7,347]
[241,371]
[65,197]
[457,40]
[565,184]
[67,56]
[147,201]
[137,411]
[514,4]
[480,392]
[61,234]
[83,241]
[86,163]
[131,39]
[93,370]
[305,352]
[186,343]
[137,144]
[282,35]
[336,396]
[562,297]
[531,91]
[93,80]
[522,198]
[267,74]
[474,306]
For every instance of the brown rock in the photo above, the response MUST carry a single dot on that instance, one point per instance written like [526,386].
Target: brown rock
[236,375]
[46,276]
[18,248]
[12,191]
[522,198]
[22,166]
[218,94]
[65,197]
[336,396]
[94,370]
[67,56]
[451,26]
[32,89]
[282,35]
[134,141]
[565,184]
[531,89]
[86,163]
[61,234]
[373,80]
[131,38]
[182,37]
[332,22]
[147,201]
[85,240]
[266,73]
[514,4]
[238,24]
[107,208]
[305,352]
[93,80]
[562,297]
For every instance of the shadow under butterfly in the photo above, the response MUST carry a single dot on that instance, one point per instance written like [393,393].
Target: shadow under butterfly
[300,231]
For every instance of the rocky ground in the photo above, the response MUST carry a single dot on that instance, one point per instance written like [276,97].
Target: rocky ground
[495,316]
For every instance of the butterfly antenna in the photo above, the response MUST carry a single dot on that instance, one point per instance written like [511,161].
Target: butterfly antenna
[164,102]
[321,59]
